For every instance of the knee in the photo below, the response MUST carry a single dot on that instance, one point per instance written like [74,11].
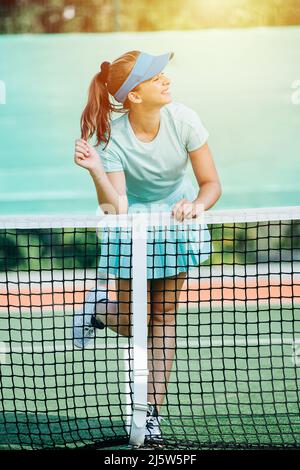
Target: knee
[164,316]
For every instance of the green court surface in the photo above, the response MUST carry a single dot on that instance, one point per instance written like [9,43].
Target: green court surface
[234,382]
[242,83]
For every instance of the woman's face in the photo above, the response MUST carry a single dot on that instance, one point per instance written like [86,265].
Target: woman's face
[154,91]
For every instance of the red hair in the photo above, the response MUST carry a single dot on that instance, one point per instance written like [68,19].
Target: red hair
[96,116]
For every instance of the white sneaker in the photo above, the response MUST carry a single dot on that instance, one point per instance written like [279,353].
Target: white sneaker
[153,432]
[84,323]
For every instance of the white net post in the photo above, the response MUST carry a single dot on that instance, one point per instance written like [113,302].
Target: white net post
[139,310]
[128,367]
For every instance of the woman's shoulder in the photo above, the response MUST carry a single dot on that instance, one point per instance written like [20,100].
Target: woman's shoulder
[188,125]
[180,112]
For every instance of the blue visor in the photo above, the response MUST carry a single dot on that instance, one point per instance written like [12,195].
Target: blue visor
[146,66]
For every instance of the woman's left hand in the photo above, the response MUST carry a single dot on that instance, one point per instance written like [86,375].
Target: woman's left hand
[185,209]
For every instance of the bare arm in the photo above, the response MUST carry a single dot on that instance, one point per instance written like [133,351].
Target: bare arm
[207,177]
[111,191]
[209,185]
[110,187]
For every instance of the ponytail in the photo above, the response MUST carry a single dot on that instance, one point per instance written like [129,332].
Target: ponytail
[96,116]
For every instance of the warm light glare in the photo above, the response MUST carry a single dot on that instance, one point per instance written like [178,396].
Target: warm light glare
[59,16]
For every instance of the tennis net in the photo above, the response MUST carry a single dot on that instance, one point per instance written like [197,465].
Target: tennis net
[234,381]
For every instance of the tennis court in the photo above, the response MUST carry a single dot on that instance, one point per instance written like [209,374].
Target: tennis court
[236,387]
[235,379]
[38,175]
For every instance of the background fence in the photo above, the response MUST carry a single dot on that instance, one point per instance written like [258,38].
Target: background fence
[64,16]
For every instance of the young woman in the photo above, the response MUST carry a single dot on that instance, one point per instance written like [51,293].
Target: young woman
[140,160]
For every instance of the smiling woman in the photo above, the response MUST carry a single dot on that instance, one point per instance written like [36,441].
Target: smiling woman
[146,126]
[139,164]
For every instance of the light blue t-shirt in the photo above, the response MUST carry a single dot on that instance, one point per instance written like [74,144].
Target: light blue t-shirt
[154,169]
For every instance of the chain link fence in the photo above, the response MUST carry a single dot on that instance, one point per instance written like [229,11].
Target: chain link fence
[66,16]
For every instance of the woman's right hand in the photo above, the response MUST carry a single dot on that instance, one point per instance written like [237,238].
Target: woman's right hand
[87,156]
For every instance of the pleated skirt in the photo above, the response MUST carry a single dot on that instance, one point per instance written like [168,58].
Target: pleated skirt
[170,250]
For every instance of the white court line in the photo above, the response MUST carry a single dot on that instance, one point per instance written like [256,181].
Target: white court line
[274,270]
[44,195]
[180,345]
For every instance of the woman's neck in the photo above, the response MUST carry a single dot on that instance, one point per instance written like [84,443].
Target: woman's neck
[145,123]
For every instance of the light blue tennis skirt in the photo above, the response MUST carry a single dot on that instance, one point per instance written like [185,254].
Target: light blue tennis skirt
[169,251]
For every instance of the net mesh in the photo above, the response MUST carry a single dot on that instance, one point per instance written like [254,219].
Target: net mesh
[234,380]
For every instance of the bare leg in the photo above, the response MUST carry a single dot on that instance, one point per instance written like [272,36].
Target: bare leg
[162,327]
[162,335]
[161,352]
[116,315]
